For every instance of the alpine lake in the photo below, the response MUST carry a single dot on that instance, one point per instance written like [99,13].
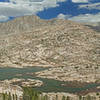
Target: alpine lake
[50,85]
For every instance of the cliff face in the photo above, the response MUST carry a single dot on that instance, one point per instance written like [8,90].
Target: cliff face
[48,43]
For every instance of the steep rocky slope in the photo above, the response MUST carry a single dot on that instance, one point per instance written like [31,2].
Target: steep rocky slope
[48,43]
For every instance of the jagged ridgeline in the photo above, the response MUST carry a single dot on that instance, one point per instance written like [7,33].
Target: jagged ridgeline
[30,41]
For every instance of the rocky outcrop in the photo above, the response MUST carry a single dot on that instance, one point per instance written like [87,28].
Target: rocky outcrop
[71,73]
[22,82]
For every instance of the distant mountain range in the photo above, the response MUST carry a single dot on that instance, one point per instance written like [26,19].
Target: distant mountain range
[30,41]
[94,27]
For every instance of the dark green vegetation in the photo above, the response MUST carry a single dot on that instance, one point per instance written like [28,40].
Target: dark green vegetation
[31,94]
[6,96]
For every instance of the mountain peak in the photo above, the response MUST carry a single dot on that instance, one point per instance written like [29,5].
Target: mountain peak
[21,24]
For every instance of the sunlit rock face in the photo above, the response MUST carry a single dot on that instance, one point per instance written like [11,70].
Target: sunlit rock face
[30,41]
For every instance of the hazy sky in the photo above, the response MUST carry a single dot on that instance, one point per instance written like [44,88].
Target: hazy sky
[77,10]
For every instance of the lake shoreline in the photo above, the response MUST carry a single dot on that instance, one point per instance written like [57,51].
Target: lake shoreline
[51,86]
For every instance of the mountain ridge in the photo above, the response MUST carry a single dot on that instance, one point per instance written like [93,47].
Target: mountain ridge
[54,43]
